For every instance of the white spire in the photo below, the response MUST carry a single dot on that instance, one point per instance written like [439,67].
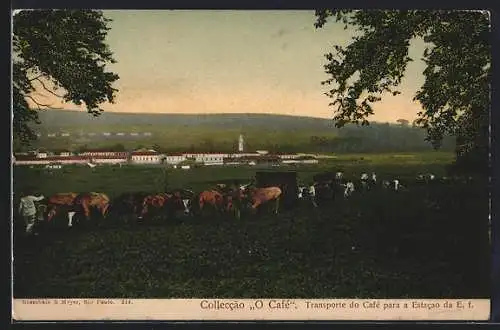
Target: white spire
[240,143]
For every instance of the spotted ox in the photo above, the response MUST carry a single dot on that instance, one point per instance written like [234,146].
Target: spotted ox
[425,178]
[348,189]
[339,177]
[61,203]
[186,197]
[179,201]
[312,193]
[302,192]
[165,204]
[364,181]
[259,196]
[396,184]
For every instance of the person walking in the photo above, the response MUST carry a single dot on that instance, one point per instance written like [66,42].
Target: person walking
[27,209]
[312,194]
[235,194]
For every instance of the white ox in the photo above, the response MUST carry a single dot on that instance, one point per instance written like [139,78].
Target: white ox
[364,180]
[300,193]
[348,189]
[394,184]
[426,177]
[339,176]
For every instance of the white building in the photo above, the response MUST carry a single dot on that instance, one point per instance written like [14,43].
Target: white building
[65,134]
[211,158]
[287,155]
[65,154]
[145,157]
[301,160]
[97,154]
[51,160]
[244,154]
[41,155]
[175,158]
[110,160]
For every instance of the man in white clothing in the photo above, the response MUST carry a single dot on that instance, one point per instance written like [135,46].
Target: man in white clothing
[27,210]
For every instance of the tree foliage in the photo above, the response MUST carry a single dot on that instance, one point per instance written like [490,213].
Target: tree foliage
[455,97]
[63,53]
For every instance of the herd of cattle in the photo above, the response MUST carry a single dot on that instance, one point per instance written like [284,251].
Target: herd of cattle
[221,200]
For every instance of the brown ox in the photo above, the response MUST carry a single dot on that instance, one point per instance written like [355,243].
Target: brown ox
[259,196]
[86,202]
[212,199]
[170,203]
[60,201]
[153,203]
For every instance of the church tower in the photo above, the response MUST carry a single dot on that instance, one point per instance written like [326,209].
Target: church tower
[240,143]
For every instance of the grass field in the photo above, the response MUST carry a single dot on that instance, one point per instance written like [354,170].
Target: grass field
[427,241]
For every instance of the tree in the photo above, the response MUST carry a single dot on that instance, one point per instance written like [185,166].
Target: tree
[455,97]
[63,53]
[158,148]
[118,148]
[403,122]
[82,149]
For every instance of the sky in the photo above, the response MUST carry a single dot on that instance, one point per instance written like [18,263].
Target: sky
[181,61]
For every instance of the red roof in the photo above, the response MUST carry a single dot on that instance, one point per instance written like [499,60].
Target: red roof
[109,157]
[207,153]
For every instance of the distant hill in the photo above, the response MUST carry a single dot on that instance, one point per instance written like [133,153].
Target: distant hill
[60,119]
[219,132]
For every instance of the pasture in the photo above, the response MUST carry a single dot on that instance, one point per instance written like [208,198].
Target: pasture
[426,241]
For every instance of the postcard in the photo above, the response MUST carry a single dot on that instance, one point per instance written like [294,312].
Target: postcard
[251,165]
